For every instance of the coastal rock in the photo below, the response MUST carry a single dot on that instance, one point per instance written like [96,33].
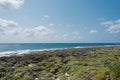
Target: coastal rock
[37,79]
[57,79]
[37,69]
[31,65]
[48,64]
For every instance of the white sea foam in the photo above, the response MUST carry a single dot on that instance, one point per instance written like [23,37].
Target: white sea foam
[20,52]
[78,47]
[10,53]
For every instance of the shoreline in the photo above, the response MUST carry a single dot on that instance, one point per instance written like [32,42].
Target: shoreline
[27,51]
[79,63]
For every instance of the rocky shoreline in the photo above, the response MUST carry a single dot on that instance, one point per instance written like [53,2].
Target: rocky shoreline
[37,56]
[34,60]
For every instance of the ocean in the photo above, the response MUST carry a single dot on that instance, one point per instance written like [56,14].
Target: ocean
[20,48]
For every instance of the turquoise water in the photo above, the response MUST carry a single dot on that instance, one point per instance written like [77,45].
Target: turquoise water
[47,46]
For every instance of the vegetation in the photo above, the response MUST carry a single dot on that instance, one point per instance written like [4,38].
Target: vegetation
[115,71]
[74,64]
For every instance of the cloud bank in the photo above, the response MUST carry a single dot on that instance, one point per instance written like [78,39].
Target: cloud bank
[6,23]
[93,31]
[112,26]
[9,27]
[12,31]
[10,4]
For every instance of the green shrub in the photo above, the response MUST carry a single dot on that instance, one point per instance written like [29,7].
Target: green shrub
[101,75]
[115,71]
[84,63]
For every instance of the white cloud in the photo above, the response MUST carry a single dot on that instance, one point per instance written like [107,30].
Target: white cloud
[6,26]
[11,4]
[41,28]
[6,23]
[112,26]
[67,37]
[107,23]
[42,31]
[46,16]
[117,21]
[77,35]
[11,31]
[63,36]
[11,28]
[93,31]
[51,24]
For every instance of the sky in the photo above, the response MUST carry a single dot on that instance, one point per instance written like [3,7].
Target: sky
[59,21]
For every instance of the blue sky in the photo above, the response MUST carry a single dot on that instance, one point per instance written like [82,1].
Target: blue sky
[59,21]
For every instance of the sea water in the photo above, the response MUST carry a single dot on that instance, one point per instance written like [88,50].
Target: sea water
[19,48]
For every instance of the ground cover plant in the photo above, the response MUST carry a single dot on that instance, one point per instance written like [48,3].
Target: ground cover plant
[102,63]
